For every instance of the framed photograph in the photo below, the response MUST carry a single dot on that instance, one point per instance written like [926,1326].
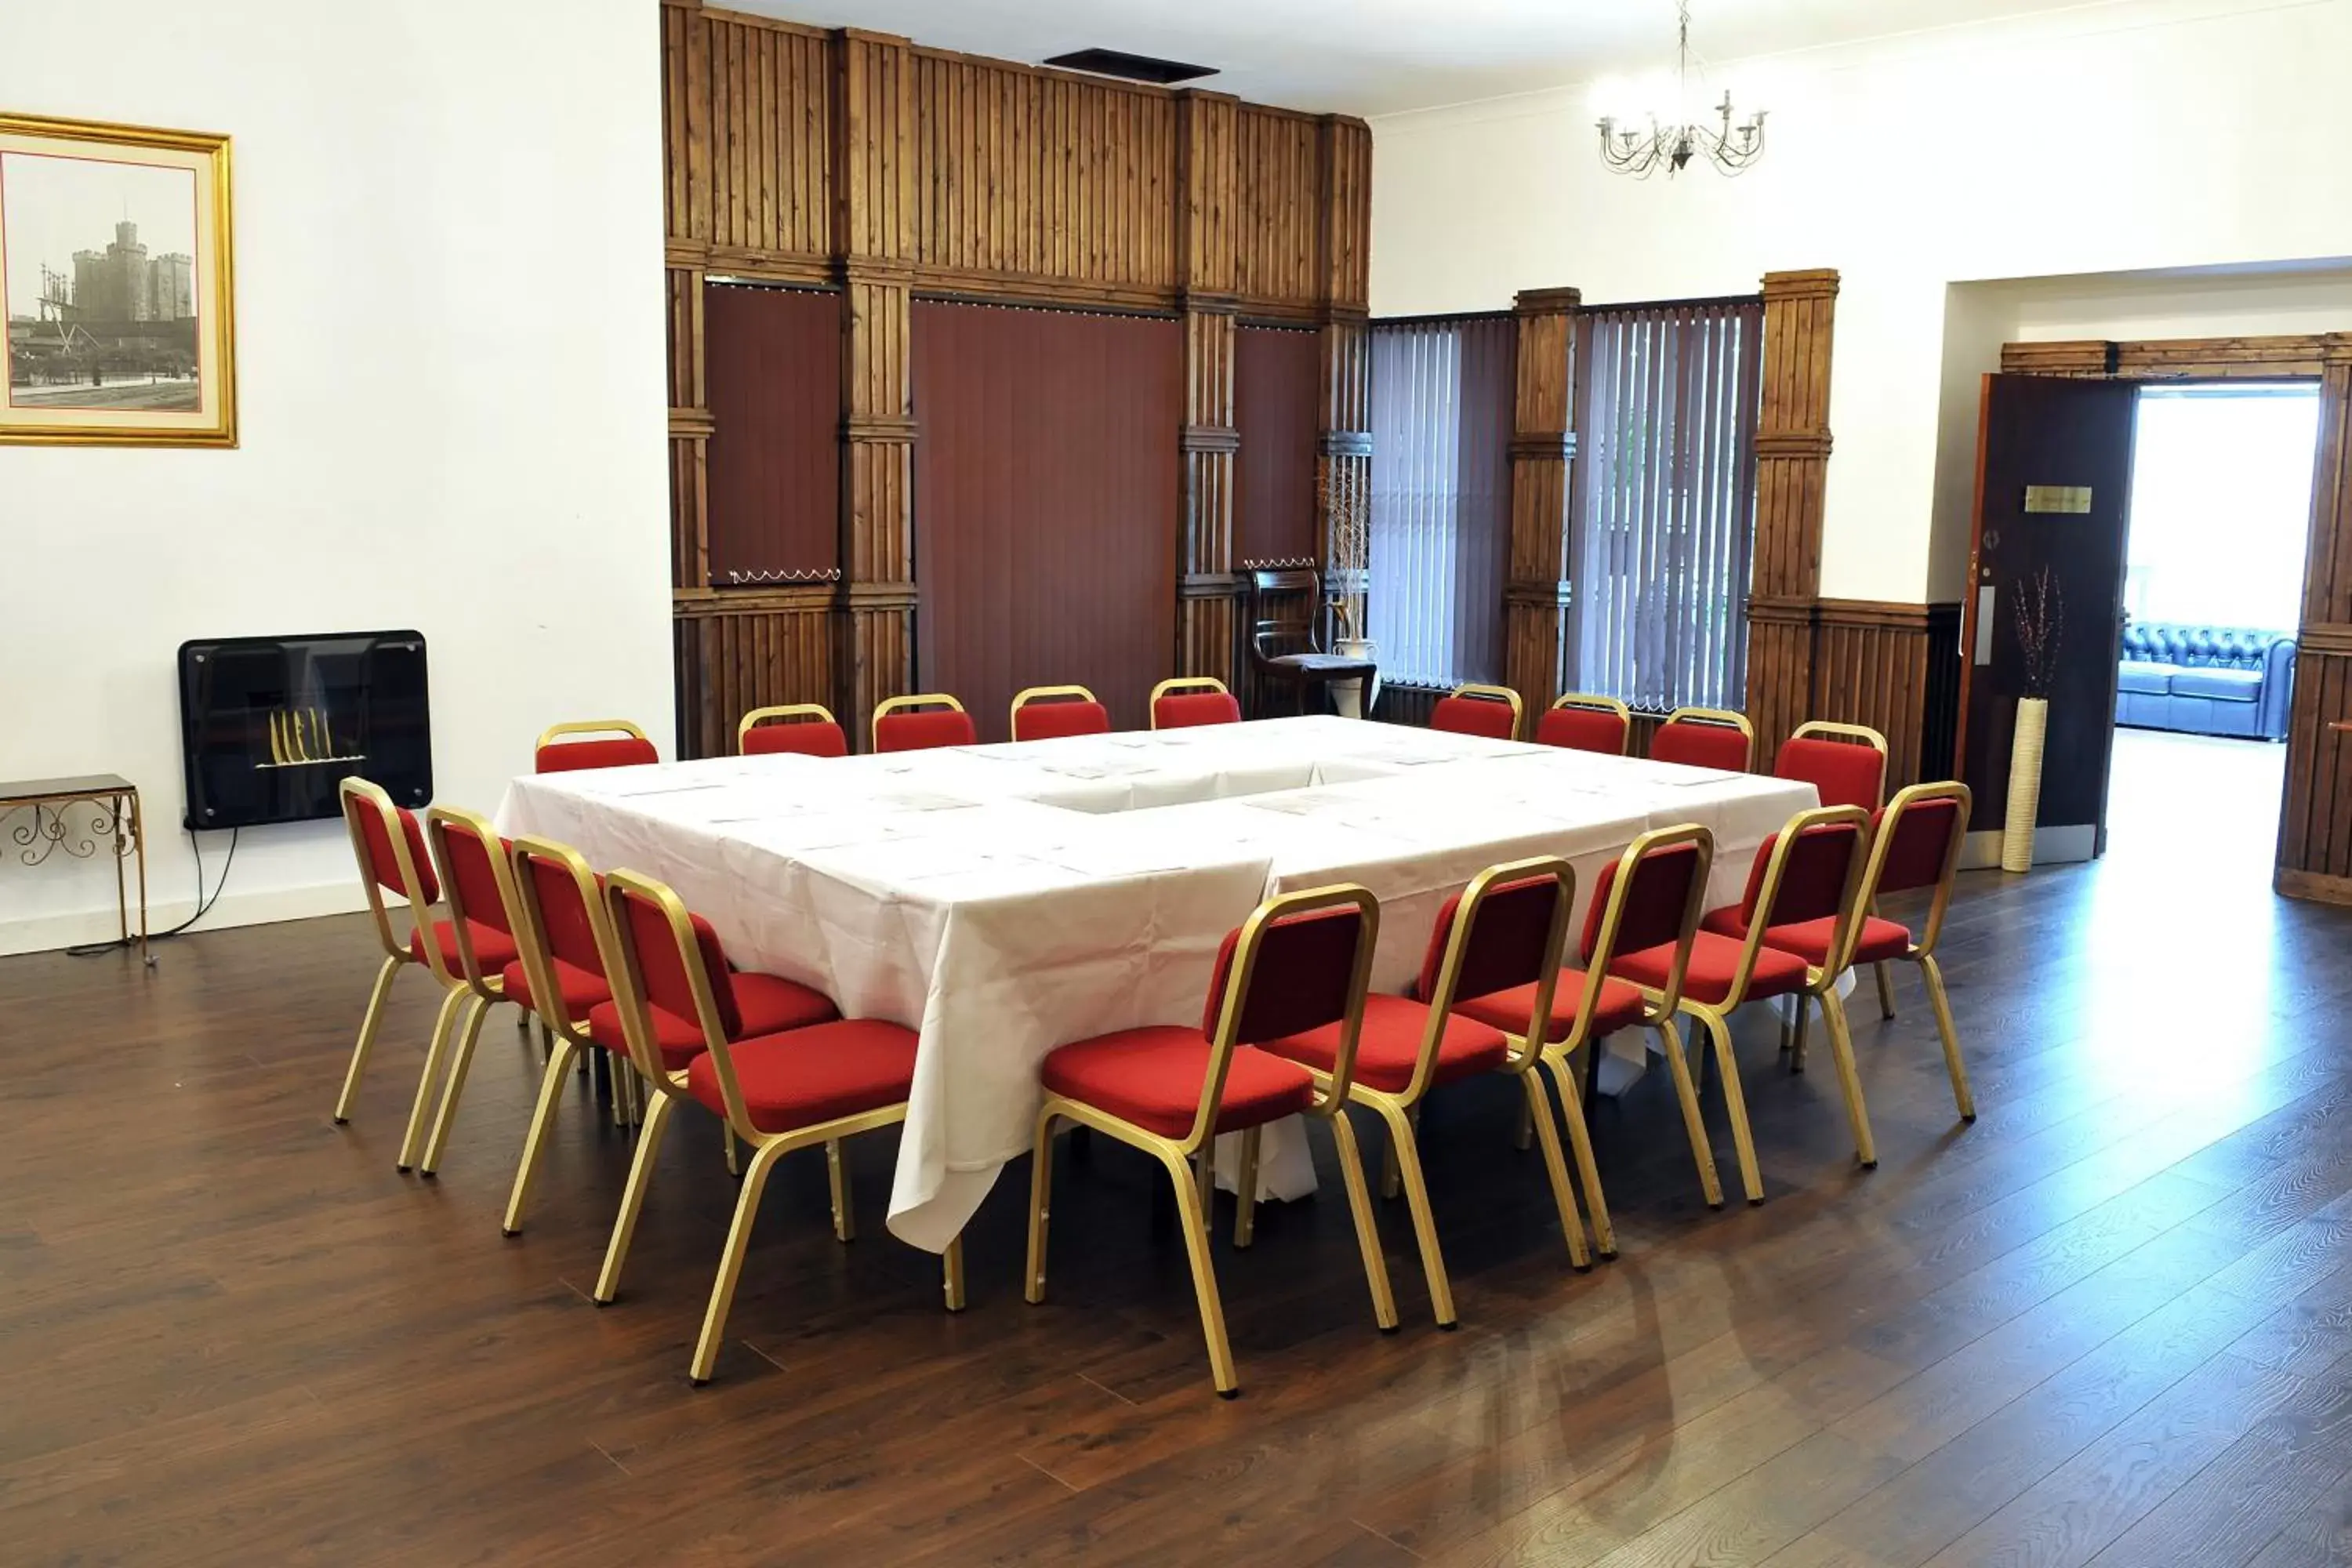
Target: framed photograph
[115,284]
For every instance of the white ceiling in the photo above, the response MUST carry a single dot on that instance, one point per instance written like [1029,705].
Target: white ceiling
[1377,57]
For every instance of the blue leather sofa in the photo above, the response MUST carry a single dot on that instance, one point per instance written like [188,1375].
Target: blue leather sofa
[2206,680]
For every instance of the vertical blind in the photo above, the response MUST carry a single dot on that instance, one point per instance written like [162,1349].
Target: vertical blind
[1442,411]
[1665,519]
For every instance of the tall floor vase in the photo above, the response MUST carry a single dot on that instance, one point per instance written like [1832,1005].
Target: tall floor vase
[2024,785]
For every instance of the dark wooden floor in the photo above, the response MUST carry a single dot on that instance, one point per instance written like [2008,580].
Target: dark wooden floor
[2110,1323]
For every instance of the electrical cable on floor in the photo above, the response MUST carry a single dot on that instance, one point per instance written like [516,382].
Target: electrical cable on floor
[203,905]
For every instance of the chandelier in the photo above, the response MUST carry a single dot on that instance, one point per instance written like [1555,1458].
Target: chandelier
[1642,151]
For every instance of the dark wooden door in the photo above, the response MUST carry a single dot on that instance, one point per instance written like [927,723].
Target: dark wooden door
[2037,436]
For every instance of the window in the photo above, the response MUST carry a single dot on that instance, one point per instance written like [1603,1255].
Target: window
[2221,503]
[1665,516]
[1441,410]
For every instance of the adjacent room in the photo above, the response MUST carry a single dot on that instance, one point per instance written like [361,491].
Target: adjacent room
[890,781]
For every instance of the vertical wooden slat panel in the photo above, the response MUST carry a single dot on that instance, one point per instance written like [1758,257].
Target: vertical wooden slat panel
[1793,445]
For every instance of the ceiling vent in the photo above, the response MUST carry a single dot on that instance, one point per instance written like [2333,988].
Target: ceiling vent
[1134,67]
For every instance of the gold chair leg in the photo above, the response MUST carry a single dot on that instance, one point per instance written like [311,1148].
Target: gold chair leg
[1804,1022]
[534,1143]
[1424,1224]
[1391,1172]
[1580,1139]
[844,1222]
[522,1023]
[731,1262]
[1368,1232]
[1246,1190]
[459,1066]
[952,1274]
[633,1199]
[1886,989]
[366,1042]
[734,1166]
[445,1023]
[1041,1193]
[1526,1131]
[1734,1103]
[1963,1096]
[1842,1046]
[1195,1221]
[1693,1124]
[1572,1223]
[1204,1176]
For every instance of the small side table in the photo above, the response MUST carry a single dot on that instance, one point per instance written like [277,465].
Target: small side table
[113,805]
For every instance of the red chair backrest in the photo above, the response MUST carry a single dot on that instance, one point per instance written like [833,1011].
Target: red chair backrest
[473,876]
[1305,965]
[383,866]
[1188,709]
[1052,719]
[1655,901]
[1506,946]
[1696,743]
[662,964]
[1813,879]
[1582,729]
[611,751]
[921,729]
[563,915]
[1922,842]
[807,737]
[1845,772]
[1473,716]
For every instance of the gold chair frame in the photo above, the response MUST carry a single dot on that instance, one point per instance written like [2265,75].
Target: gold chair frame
[1724,716]
[1194,1186]
[358,794]
[757,716]
[1175,684]
[1863,734]
[1028,694]
[767,1148]
[486,990]
[588,727]
[1820,984]
[1478,692]
[891,705]
[1601,704]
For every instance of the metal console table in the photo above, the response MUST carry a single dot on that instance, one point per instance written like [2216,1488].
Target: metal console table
[114,806]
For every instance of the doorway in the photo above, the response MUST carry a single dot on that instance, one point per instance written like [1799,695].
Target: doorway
[2218,525]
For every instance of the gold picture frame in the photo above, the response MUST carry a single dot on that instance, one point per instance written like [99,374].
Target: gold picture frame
[127,342]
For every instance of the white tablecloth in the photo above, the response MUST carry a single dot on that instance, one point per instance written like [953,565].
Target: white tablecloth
[1004,900]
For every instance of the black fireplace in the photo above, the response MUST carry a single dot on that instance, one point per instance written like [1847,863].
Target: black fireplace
[270,726]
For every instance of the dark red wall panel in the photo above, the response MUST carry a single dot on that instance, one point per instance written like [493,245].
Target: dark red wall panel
[772,376]
[1277,383]
[1047,491]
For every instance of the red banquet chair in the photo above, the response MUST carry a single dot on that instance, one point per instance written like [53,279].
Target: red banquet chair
[1474,709]
[1578,722]
[816,1084]
[1808,872]
[388,844]
[806,728]
[1300,963]
[1649,898]
[1190,700]
[620,744]
[1705,738]
[1504,932]
[922,721]
[1847,770]
[1051,712]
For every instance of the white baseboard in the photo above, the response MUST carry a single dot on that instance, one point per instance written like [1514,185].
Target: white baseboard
[1980,851]
[45,934]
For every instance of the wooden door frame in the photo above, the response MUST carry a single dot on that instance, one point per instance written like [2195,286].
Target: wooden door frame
[2316,792]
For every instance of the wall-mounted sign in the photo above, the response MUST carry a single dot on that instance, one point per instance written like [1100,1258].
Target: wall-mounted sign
[2058,498]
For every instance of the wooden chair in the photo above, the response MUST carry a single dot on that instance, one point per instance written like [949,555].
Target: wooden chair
[1472,709]
[806,728]
[622,745]
[922,721]
[1285,647]
[1054,712]
[1190,700]
[1705,738]
[1578,722]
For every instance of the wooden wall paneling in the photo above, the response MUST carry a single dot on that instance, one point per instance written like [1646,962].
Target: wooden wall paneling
[1893,668]
[749,649]
[1337,207]
[689,425]
[2315,857]
[2086,356]
[1792,453]
[1207,191]
[1543,464]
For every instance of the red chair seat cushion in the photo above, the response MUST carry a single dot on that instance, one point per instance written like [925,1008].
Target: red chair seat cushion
[1390,1043]
[582,989]
[614,752]
[770,1005]
[1151,1077]
[1809,940]
[1618,1007]
[1714,964]
[493,949]
[803,1077]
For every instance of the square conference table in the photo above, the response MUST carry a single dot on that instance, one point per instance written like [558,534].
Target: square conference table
[1002,900]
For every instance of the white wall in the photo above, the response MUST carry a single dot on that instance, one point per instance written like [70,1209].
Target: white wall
[2110,138]
[449,357]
